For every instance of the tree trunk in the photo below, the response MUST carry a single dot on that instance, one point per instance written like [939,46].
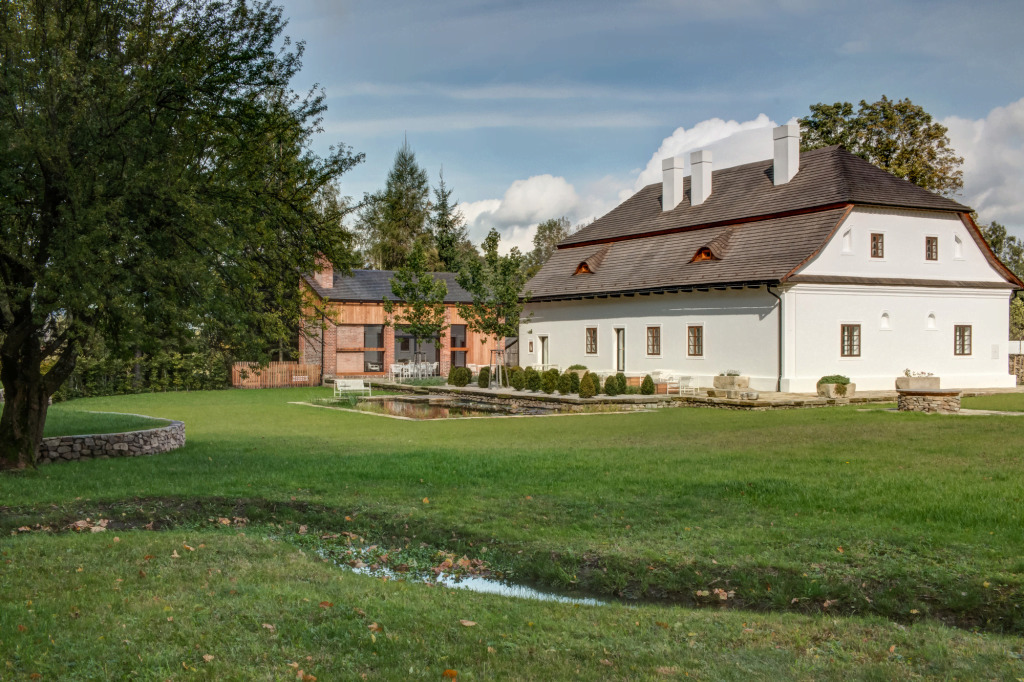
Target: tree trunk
[22,420]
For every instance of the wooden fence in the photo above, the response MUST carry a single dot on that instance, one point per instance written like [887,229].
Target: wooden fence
[274,375]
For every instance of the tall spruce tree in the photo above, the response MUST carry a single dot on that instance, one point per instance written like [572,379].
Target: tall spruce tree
[392,220]
[450,234]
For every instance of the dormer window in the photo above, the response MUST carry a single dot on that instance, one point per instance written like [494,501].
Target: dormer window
[589,265]
[703,253]
[583,269]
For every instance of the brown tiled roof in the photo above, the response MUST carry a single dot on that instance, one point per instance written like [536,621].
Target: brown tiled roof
[829,176]
[762,251]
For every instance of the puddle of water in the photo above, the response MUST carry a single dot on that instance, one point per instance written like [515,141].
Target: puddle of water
[444,408]
[473,583]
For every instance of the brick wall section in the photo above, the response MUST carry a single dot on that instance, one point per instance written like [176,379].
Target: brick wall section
[106,445]
[1017,367]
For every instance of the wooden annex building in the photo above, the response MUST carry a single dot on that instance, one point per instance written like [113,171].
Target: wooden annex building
[356,342]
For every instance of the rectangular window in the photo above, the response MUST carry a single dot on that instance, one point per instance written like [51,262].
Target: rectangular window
[591,340]
[850,345]
[458,358]
[931,248]
[962,339]
[373,361]
[458,333]
[695,341]
[877,245]
[654,340]
[373,336]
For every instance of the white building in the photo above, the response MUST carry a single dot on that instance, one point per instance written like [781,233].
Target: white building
[785,270]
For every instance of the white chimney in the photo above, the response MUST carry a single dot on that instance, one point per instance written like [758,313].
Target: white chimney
[700,177]
[671,182]
[787,152]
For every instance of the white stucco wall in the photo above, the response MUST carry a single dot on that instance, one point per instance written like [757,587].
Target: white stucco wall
[814,315]
[740,332]
[848,254]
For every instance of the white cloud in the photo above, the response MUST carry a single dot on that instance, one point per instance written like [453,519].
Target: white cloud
[993,151]
[731,144]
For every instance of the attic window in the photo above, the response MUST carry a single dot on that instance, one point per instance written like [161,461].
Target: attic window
[583,269]
[703,253]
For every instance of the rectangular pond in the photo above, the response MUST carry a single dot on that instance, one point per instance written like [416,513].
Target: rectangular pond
[421,408]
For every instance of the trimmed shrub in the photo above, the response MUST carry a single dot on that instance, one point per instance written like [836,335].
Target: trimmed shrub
[460,376]
[485,377]
[587,389]
[549,381]
[647,385]
[596,380]
[611,385]
[518,379]
[451,375]
[565,383]
[532,379]
[577,367]
[574,382]
[834,379]
[620,379]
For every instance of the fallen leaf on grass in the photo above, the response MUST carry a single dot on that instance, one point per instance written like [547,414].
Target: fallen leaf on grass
[97,529]
[22,628]
[207,657]
[467,623]
[661,625]
[326,604]
[223,521]
[373,627]
[491,650]
[605,661]
[666,670]
[303,530]
[175,555]
[426,500]
[24,529]
[450,674]
[191,549]
[268,626]
[828,603]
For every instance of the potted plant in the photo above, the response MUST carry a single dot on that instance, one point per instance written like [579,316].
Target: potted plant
[917,381]
[835,386]
[731,380]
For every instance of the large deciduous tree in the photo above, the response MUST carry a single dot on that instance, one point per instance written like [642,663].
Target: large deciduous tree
[897,136]
[1010,250]
[156,180]
[392,220]
[547,236]
[496,286]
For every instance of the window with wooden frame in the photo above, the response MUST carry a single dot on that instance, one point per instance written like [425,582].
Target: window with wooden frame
[459,346]
[931,248]
[877,245]
[373,348]
[695,340]
[849,346]
[591,340]
[654,340]
[962,339]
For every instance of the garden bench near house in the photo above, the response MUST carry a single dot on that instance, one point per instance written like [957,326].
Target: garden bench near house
[346,386]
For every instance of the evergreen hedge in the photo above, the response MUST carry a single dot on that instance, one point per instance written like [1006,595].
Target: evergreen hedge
[587,389]
[647,385]
[611,385]
[484,378]
[565,383]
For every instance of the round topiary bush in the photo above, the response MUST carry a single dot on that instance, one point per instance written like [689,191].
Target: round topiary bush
[549,382]
[517,379]
[622,384]
[574,382]
[587,389]
[647,385]
[451,375]
[596,381]
[532,379]
[565,383]
[460,376]
[485,377]
[611,385]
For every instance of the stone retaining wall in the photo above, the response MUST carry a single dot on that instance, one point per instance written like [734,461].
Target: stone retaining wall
[106,445]
[938,401]
[1017,367]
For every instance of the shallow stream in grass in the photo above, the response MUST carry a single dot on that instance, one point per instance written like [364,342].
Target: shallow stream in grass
[431,567]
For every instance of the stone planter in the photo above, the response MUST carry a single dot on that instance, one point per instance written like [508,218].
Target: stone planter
[731,383]
[937,400]
[836,390]
[917,383]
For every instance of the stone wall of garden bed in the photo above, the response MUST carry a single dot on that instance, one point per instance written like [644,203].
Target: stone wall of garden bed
[106,445]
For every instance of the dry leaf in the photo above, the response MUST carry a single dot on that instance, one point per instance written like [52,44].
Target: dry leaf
[170,619]
[840,550]
[374,627]
[491,650]
[24,529]
[426,500]
[207,657]
[268,626]
[175,555]
[326,604]
[223,521]
[191,549]
[605,661]
[450,674]
[666,670]
[97,529]
[302,530]
[467,623]
[117,539]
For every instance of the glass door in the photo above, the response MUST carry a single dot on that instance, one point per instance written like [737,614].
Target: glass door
[544,361]
[620,350]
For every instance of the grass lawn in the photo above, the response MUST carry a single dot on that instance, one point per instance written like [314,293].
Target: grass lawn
[1004,402]
[828,514]
[69,419]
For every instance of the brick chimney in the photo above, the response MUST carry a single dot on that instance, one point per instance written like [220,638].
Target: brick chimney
[787,152]
[700,177]
[324,276]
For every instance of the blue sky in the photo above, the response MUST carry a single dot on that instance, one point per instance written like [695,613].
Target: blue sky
[543,109]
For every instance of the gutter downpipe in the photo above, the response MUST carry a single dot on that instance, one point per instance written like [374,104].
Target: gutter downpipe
[778,380]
